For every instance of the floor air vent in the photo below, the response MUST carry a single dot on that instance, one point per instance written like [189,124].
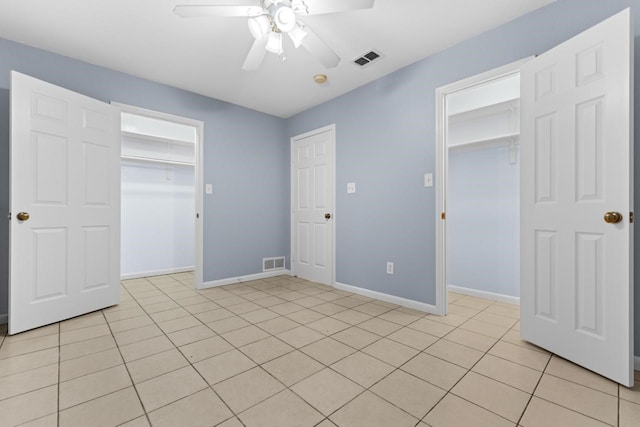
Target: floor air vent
[367,58]
[270,264]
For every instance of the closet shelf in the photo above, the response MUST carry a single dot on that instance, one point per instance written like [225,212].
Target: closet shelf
[495,141]
[152,138]
[487,110]
[155,160]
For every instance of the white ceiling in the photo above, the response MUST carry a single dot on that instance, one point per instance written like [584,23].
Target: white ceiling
[204,55]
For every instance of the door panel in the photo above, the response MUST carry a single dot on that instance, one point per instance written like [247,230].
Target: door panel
[65,160]
[97,171]
[50,261]
[96,264]
[576,142]
[546,274]
[312,198]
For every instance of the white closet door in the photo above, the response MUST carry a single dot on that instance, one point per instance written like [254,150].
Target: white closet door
[577,165]
[65,175]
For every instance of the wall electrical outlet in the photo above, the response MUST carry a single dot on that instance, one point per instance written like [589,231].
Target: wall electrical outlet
[389,267]
[208,188]
[351,187]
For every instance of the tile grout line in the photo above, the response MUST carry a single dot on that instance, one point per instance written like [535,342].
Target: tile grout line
[182,354]
[398,368]
[127,369]
[534,391]
[291,288]
[289,387]
[469,370]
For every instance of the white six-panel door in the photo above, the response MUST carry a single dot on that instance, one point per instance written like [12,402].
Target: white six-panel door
[65,174]
[312,198]
[577,165]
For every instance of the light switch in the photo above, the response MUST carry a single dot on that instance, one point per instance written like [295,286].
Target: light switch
[351,187]
[208,188]
[428,180]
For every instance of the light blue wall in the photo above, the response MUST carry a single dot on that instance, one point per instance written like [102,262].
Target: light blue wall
[483,227]
[245,158]
[385,143]
[385,134]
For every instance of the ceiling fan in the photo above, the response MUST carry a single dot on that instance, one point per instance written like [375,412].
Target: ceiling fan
[269,19]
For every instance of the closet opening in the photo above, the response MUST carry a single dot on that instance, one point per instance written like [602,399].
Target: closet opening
[161,205]
[478,231]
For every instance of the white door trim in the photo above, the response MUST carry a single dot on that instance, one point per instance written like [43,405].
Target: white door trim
[199,178]
[442,166]
[332,128]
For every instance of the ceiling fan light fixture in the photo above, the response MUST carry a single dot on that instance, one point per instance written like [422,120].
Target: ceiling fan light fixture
[285,19]
[298,6]
[269,3]
[274,43]
[297,35]
[259,26]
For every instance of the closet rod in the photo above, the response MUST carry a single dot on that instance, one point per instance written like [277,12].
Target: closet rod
[149,159]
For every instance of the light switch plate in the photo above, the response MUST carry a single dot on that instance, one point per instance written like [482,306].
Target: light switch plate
[351,187]
[428,180]
[208,188]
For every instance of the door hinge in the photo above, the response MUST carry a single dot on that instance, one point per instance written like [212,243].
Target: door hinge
[9,216]
[631,217]
[443,215]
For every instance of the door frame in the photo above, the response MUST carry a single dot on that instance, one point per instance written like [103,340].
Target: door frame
[329,128]
[442,166]
[198,173]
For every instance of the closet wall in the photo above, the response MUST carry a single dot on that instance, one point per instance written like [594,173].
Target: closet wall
[158,196]
[483,246]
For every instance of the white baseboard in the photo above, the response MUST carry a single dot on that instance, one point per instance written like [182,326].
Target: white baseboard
[416,305]
[4,318]
[247,278]
[156,273]
[484,294]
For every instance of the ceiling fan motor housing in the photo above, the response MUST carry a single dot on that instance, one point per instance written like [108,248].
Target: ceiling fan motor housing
[284,18]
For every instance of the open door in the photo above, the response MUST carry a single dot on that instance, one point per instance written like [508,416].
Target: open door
[577,198]
[65,204]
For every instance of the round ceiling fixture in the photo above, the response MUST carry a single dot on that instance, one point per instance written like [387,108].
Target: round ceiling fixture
[285,19]
[320,78]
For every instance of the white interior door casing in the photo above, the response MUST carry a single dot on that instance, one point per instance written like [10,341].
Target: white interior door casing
[577,164]
[312,198]
[65,150]
[194,155]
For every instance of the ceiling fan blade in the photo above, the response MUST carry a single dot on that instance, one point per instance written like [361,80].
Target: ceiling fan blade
[319,7]
[316,47]
[195,11]
[256,54]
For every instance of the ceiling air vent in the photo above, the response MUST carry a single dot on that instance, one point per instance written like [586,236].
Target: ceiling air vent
[367,58]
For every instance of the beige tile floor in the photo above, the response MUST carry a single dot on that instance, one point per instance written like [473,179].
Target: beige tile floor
[287,352]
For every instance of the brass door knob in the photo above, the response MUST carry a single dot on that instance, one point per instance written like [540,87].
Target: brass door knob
[612,217]
[23,216]
[327,216]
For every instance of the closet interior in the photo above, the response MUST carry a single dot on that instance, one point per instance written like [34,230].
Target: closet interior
[483,182]
[158,196]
